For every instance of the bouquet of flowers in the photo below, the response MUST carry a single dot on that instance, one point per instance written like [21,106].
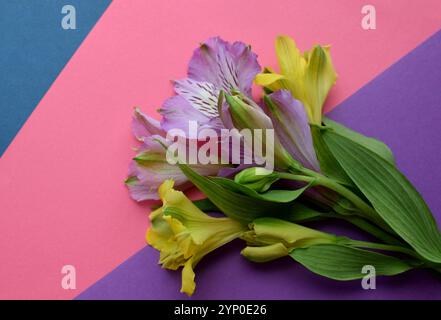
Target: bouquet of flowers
[270,166]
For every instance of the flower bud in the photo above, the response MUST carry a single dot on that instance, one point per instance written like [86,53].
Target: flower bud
[265,253]
[267,231]
[256,178]
[246,114]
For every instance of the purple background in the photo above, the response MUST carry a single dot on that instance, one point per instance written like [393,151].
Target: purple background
[402,107]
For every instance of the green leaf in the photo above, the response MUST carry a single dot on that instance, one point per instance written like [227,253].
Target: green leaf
[279,196]
[328,164]
[296,212]
[390,193]
[231,203]
[340,262]
[242,207]
[376,146]
[299,212]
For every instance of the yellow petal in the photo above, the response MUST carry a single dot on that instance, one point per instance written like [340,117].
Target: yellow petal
[320,76]
[292,65]
[177,199]
[157,241]
[188,284]
[268,79]
[175,225]
[165,187]
[155,214]
[291,62]
[151,237]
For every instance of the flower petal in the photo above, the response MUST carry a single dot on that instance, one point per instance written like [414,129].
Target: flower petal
[145,177]
[202,96]
[227,66]
[188,284]
[291,62]
[247,65]
[292,128]
[320,76]
[150,168]
[178,111]
[270,80]
[144,126]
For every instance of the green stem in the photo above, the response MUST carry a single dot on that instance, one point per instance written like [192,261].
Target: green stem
[318,179]
[386,247]
[368,227]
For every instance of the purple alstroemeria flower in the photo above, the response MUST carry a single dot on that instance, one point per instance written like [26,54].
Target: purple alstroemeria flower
[150,168]
[291,127]
[216,65]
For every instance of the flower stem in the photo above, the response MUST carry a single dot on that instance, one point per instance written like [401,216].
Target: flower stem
[318,179]
[386,247]
[368,227]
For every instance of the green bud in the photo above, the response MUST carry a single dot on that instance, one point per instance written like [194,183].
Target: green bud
[256,178]
[265,253]
[246,114]
[272,230]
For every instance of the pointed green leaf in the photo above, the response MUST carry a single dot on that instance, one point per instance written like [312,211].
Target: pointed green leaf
[233,204]
[296,212]
[328,164]
[340,262]
[372,144]
[390,193]
[299,212]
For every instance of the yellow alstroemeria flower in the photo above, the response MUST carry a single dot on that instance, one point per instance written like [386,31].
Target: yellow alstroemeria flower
[184,234]
[309,76]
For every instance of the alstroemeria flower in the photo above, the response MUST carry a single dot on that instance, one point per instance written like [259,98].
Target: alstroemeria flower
[309,76]
[184,234]
[150,168]
[216,65]
[292,127]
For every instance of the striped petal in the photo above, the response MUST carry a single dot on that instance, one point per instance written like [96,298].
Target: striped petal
[227,66]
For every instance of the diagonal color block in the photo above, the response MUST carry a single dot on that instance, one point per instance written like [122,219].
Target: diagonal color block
[62,200]
[34,49]
[401,107]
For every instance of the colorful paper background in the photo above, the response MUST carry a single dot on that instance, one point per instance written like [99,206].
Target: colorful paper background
[62,200]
